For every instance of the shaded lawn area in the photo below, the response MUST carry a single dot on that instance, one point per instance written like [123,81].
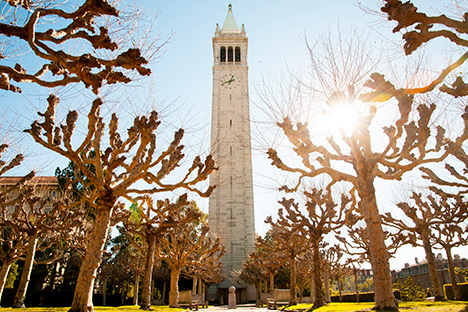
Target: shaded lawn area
[98,309]
[411,306]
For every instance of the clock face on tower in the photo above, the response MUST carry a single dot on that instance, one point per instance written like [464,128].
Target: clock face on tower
[230,81]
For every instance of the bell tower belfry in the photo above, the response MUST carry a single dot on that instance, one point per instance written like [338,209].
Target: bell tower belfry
[231,209]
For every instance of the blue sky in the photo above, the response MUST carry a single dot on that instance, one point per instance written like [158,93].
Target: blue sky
[182,73]
[276,31]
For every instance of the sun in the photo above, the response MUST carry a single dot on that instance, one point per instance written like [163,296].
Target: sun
[340,119]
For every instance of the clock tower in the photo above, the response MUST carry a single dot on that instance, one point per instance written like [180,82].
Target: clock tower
[231,210]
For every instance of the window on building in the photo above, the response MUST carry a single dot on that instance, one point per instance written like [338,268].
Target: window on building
[238,54]
[222,54]
[230,54]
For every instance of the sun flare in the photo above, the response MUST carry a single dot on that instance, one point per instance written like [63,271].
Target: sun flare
[340,119]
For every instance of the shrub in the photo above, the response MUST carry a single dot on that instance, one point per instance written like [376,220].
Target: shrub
[363,297]
[448,291]
[409,290]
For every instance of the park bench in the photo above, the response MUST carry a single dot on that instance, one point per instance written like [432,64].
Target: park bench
[280,298]
[202,303]
[263,299]
[186,300]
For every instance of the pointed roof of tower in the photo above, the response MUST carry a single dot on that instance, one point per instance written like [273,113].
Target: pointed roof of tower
[230,25]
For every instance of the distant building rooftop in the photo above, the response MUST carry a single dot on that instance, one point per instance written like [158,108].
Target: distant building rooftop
[37,180]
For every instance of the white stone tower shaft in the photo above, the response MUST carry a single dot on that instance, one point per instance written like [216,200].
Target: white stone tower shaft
[231,210]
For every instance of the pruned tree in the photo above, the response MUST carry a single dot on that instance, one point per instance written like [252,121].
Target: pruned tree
[288,239]
[305,273]
[151,223]
[39,214]
[116,167]
[355,243]
[13,242]
[13,245]
[451,234]
[268,254]
[184,245]
[48,32]
[338,270]
[408,142]
[323,215]
[354,266]
[122,264]
[253,272]
[204,268]
[424,215]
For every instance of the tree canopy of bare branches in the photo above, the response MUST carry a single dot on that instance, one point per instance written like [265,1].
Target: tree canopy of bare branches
[189,243]
[112,170]
[288,239]
[409,142]
[28,23]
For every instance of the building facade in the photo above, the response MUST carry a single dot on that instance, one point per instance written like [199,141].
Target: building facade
[231,209]
[419,271]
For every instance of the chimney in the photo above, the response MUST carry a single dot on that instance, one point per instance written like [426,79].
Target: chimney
[416,260]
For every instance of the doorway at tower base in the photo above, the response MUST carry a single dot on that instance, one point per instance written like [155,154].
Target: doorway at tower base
[218,293]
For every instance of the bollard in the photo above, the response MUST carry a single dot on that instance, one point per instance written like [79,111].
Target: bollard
[232,298]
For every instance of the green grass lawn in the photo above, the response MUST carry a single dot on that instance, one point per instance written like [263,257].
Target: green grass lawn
[98,309]
[412,306]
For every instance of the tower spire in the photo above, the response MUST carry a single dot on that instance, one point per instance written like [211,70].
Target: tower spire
[230,25]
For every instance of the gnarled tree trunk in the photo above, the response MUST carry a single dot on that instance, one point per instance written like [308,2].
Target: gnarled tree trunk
[326,283]
[174,292]
[384,298]
[317,289]
[356,286]
[26,274]
[438,294]
[83,297]
[453,279]
[149,263]
[292,289]
[272,282]
[137,289]
[4,274]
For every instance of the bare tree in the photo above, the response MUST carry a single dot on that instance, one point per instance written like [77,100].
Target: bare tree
[13,243]
[151,224]
[114,170]
[288,238]
[51,34]
[337,269]
[451,234]
[406,144]
[268,254]
[204,268]
[184,245]
[323,215]
[424,214]
[253,272]
[39,213]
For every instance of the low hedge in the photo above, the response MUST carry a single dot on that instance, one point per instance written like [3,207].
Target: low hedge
[363,297]
[448,291]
